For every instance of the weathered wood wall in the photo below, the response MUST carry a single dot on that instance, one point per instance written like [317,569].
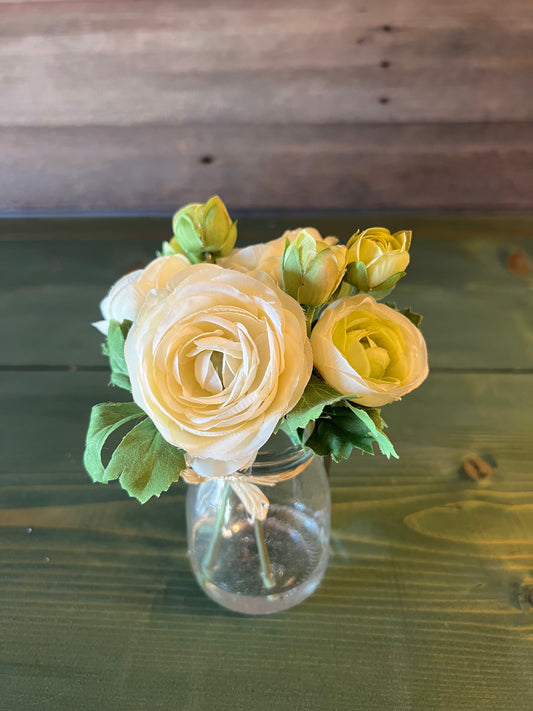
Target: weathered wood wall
[145,104]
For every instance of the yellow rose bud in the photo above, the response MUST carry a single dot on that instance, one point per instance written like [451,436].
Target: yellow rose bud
[369,351]
[377,259]
[311,270]
[201,229]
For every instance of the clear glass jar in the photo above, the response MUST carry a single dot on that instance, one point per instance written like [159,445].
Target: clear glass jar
[258,567]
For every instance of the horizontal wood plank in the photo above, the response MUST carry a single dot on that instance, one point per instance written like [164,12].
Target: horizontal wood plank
[439,166]
[477,310]
[118,106]
[157,61]
[425,603]
[143,232]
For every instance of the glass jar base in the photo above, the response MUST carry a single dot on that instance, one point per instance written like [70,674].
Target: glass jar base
[236,579]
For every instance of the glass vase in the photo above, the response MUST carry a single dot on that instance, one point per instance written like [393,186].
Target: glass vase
[259,567]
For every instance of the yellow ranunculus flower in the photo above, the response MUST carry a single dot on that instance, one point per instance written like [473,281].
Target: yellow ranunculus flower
[384,255]
[311,269]
[201,229]
[368,350]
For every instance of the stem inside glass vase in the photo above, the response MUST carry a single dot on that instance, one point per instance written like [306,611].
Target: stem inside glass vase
[214,547]
[211,555]
[266,569]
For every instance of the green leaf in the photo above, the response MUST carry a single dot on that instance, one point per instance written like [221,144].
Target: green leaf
[379,294]
[385,288]
[105,419]
[316,396]
[114,348]
[415,318]
[291,269]
[343,290]
[329,439]
[375,415]
[165,251]
[146,463]
[188,238]
[390,282]
[343,427]
[376,431]
[357,275]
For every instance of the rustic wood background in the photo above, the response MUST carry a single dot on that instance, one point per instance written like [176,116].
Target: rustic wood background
[142,105]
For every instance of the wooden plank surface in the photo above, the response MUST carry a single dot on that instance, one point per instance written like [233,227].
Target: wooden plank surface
[325,61]
[53,287]
[424,604]
[121,106]
[428,599]
[358,166]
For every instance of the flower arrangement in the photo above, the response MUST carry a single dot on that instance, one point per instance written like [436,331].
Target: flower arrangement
[221,347]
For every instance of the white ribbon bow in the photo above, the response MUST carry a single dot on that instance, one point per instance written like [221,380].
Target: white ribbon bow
[246,487]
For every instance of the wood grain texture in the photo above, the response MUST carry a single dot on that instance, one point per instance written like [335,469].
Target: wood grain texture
[54,274]
[427,602]
[288,166]
[123,63]
[424,604]
[120,106]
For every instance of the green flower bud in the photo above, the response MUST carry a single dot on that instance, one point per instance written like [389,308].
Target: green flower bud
[377,259]
[202,229]
[312,270]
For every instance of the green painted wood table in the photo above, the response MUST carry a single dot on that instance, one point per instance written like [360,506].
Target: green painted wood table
[427,602]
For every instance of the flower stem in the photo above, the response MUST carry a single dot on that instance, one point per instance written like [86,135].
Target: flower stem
[309,318]
[267,575]
[216,540]
[211,556]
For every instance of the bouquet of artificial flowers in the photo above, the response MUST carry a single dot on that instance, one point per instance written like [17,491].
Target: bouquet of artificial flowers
[221,347]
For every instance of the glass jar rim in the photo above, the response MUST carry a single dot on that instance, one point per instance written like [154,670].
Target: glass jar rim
[280,453]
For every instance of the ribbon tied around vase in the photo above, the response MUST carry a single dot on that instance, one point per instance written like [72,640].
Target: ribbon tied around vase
[246,487]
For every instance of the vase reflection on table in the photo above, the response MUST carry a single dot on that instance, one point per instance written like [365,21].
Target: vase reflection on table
[258,566]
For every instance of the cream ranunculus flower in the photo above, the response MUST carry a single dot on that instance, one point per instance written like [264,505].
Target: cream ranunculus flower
[383,254]
[215,360]
[368,350]
[126,297]
[266,257]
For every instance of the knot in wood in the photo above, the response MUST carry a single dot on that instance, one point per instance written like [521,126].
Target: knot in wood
[477,468]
